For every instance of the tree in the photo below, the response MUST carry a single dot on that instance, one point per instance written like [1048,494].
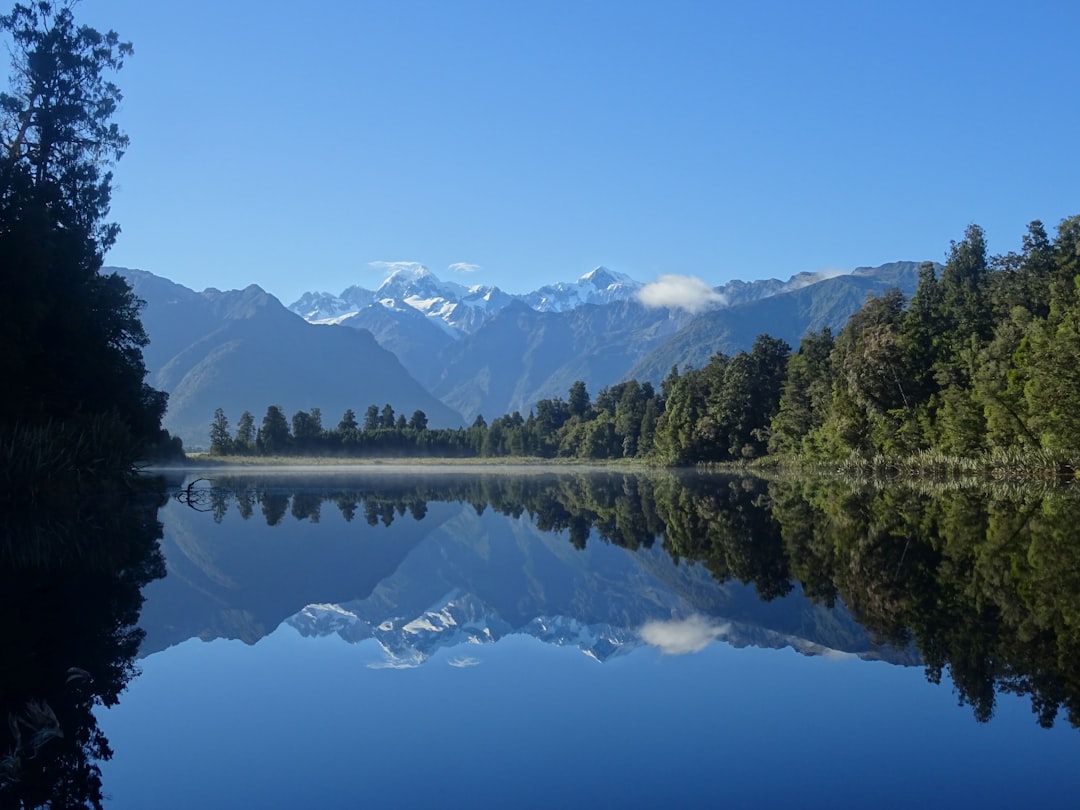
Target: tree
[220,443]
[306,429]
[386,417]
[578,399]
[274,433]
[72,336]
[56,117]
[418,421]
[371,418]
[348,421]
[805,397]
[245,432]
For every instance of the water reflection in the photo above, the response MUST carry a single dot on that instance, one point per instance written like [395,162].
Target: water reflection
[70,594]
[982,585]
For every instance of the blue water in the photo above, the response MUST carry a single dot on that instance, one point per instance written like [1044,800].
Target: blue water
[700,699]
[310,722]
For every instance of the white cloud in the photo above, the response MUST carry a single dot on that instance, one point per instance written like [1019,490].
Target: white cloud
[463,661]
[681,292]
[390,267]
[463,267]
[682,636]
[806,279]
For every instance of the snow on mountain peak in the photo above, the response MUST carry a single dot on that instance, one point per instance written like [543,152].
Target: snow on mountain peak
[602,278]
[456,308]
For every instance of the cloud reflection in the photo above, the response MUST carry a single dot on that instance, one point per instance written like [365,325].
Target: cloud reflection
[463,661]
[682,636]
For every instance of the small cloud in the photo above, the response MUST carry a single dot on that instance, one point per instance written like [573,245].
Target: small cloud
[806,279]
[392,267]
[681,292]
[393,665]
[463,267]
[832,272]
[463,661]
[682,636]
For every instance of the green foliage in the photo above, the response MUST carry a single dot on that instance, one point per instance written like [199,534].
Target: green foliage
[245,433]
[71,337]
[273,436]
[220,443]
[805,397]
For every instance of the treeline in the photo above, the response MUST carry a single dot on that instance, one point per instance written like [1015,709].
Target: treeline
[620,423]
[984,359]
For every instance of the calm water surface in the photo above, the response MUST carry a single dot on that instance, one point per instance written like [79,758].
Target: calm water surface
[592,640]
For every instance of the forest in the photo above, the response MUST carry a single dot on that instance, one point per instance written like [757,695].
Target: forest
[982,363]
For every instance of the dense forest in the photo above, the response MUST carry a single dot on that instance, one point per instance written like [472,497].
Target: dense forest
[982,362]
[75,404]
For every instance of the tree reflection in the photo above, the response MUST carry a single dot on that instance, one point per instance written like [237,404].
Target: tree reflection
[986,583]
[70,595]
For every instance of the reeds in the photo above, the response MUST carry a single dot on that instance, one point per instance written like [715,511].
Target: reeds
[64,456]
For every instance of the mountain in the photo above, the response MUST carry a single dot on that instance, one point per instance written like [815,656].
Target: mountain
[788,314]
[522,355]
[458,309]
[453,307]
[242,350]
[598,286]
[514,350]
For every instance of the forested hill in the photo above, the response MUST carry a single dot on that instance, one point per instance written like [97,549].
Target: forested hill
[983,361]
[242,349]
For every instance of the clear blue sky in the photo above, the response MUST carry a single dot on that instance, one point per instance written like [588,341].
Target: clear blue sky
[291,145]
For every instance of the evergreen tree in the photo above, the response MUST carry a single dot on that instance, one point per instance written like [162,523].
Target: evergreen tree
[386,417]
[274,435]
[72,337]
[418,421]
[805,396]
[245,433]
[348,421]
[220,443]
[578,401]
[371,418]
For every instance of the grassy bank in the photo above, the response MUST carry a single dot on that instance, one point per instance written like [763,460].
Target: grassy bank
[57,457]
[205,460]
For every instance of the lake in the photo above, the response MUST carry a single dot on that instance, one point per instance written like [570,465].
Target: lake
[532,638]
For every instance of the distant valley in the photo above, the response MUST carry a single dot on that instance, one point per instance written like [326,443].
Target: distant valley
[456,352]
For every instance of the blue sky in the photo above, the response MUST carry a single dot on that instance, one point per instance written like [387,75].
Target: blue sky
[294,145]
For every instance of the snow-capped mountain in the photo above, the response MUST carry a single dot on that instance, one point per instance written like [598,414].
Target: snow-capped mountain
[598,286]
[455,308]
[458,309]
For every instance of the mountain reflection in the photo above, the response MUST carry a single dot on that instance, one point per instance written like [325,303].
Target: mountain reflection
[70,594]
[982,585]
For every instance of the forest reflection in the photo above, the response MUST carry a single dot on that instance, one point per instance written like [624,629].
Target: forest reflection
[984,581]
[71,579]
